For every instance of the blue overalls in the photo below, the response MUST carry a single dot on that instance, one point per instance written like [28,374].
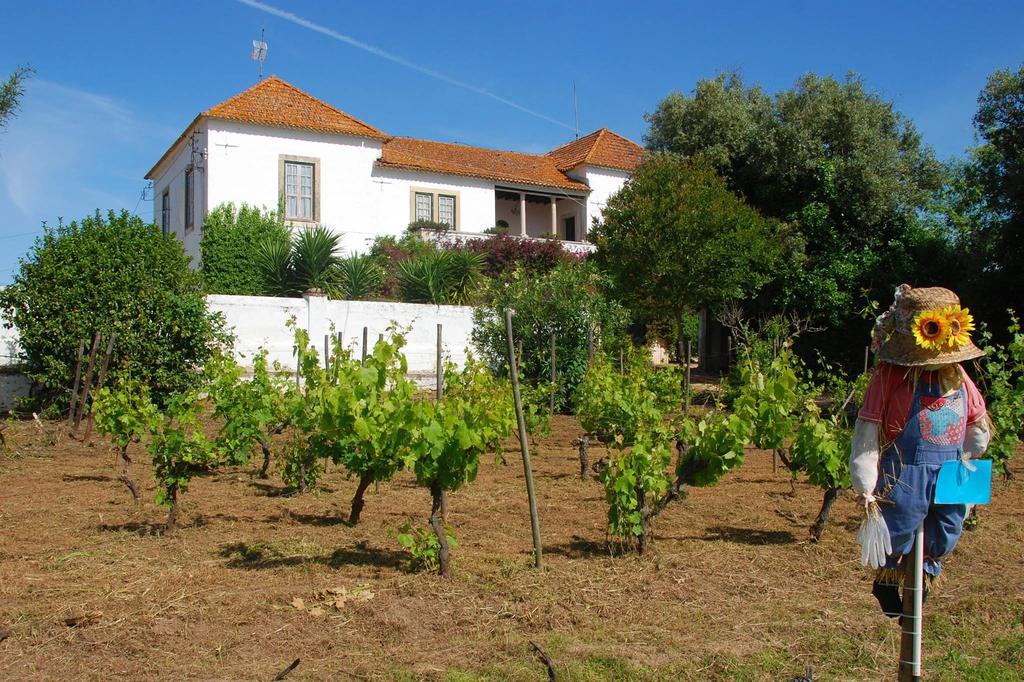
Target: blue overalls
[910,466]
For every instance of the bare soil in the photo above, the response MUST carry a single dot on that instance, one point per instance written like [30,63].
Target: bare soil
[254,578]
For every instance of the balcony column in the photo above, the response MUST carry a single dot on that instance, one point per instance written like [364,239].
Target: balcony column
[554,218]
[522,214]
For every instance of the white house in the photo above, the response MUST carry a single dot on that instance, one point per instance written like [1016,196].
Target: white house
[275,145]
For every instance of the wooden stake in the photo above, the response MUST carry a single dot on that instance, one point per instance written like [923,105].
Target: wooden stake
[590,346]
[523,445]
[440,367]
[99,381]
[87,380]
[439,395]
[366,333]
[686,396]
[554,369]
[74,387]
[327,352]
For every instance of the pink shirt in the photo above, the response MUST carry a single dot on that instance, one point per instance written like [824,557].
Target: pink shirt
[890,396]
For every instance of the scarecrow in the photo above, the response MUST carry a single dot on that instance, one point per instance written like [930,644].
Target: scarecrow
[920,410]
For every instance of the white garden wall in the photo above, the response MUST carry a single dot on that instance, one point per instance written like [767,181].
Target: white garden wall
[261,322]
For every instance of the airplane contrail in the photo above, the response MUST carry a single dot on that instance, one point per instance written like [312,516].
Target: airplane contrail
[349,40]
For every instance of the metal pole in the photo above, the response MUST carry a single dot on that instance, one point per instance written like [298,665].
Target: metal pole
[913,611]
[78,380]
[554,369]
[867,358]
[524,447]
[366,333]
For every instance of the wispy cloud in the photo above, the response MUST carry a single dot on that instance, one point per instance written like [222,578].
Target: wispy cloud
[402,61]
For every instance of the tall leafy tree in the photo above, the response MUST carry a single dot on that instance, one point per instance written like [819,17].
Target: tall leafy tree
[11,92]
[675,239]
[829,157]
[993,186]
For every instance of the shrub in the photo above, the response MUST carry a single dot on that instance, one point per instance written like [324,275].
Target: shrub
[568,301]
[440,277]
[111,274]
[359,277]
[307,260]
[417,225]
[388,252]
[502,253]
[229,265]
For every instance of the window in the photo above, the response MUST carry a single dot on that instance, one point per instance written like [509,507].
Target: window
[446,210]
[165,212]
[424,206]
[190,200]
[298,191]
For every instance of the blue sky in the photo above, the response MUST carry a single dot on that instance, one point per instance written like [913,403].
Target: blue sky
[117,81]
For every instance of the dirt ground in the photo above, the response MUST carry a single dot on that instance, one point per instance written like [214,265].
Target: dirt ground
[254,579]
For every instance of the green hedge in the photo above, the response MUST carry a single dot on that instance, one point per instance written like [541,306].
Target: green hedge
[229,246]
[112,274]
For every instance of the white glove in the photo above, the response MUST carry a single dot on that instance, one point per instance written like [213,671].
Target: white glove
[864,457]
[873,536]
[977,439]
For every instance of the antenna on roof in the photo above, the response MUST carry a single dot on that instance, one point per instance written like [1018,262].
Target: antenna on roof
[259,51]
[576,110]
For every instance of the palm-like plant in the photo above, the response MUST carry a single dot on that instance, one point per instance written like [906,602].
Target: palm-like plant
[440,277]
[274,261]
[308,260]
[315,258]
[359,276]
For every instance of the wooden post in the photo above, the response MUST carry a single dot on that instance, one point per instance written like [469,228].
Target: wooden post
[440,367]
[74,387]
[554,370]
[622,362]
[327,352]
[366,333]
[590,346]
[439,395]
[87,380]
[99,381]
[913,611]
[686,396]
[523,445]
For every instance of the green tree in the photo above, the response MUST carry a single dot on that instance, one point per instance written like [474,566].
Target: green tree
[11,92]
[831,158]
[230,264]
[992,194]
[675,239]
[112,274]
[567,302]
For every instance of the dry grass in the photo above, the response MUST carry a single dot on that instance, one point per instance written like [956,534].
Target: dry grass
[732,589]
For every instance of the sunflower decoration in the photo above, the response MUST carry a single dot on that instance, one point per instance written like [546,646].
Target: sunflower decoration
[961,324]
[931,329]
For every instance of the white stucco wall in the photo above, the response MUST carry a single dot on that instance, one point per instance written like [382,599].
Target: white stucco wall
[260,322]
[171,176]
[604,182]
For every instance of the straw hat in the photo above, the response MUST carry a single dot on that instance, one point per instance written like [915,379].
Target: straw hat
[923,327]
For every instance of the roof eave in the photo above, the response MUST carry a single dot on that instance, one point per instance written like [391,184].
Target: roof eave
[579,187]
[167,154]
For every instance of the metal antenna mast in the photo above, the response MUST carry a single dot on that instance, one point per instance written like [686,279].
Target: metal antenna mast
[576,110]
[259,51]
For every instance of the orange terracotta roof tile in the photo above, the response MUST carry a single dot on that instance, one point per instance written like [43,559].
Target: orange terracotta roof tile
[273,102]
[599,148]
[459,159]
